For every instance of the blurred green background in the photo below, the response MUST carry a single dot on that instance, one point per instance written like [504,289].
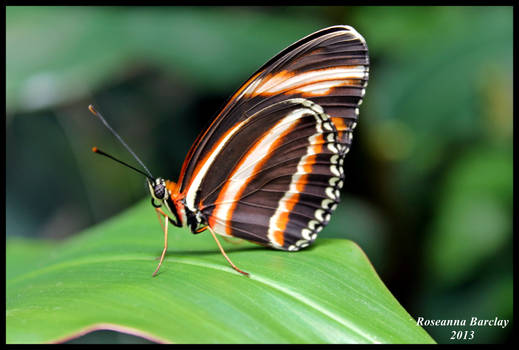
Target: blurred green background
[429,189]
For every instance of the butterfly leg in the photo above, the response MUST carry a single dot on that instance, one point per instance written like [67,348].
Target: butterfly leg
[225,255]
[165,228]
[160,215]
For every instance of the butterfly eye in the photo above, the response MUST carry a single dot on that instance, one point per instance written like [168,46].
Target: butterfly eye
[159,189]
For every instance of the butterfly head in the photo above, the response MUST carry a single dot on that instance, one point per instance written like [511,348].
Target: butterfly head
[165,192]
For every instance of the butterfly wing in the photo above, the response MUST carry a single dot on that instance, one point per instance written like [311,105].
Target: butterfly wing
[285,197]
[281,177]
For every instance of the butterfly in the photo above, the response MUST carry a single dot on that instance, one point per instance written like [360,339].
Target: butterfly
[269,167]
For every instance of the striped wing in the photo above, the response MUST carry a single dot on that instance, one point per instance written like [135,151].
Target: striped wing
[277,179]
[329,67]
[269,167]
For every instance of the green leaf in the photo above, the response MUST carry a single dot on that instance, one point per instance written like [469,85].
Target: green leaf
[101,279]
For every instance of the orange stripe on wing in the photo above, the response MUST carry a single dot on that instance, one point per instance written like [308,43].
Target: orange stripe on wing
[312,83]
[340,126]
[325,87]
[280,219]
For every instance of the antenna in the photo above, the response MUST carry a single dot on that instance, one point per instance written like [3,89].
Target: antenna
[96,150]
